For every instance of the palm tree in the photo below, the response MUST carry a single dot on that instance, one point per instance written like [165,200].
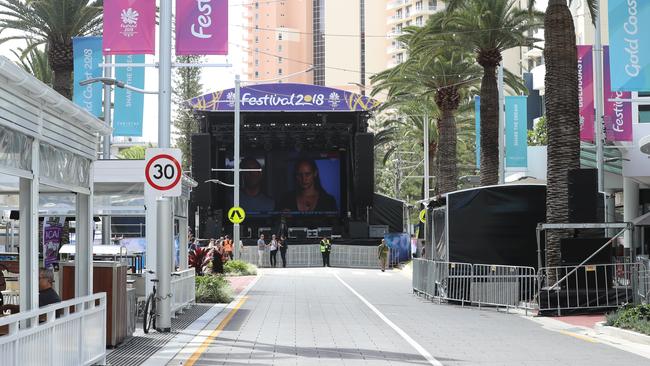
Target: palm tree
[53,23]
[562,117]
[489,28]
[34,61]
[445,76]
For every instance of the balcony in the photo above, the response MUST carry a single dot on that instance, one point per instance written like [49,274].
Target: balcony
[395,4]
[426,10]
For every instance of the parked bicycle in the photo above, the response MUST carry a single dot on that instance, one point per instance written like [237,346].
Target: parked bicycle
[150,307]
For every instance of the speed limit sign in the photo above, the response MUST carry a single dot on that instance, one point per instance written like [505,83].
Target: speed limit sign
[163,171]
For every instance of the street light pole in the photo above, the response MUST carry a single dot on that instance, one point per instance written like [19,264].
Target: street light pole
[429,250]
[235,228]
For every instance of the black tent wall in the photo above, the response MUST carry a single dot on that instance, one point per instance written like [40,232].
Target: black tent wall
[387,211]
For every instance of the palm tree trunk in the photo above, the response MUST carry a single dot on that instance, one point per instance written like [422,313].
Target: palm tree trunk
[561,101]
[447,158]
[62,82]
[489,127]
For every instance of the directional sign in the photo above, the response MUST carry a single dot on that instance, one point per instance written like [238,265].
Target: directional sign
[236,215]
[423,216]
[163,171]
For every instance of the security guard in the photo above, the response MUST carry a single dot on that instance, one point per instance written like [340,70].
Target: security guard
[382,252]
[325,248]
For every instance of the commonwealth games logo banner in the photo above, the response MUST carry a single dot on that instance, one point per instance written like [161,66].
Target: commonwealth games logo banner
[129,27]
[201,27]
[129,104]
[628,36]
[87,54]
[586,92]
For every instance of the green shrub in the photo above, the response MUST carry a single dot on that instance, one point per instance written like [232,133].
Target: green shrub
[239,268]
[213,289]
[636,318]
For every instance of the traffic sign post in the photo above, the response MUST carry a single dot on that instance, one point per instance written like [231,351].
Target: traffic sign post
[236,215]
[163,172]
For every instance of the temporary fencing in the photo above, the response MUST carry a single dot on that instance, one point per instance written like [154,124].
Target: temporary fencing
[354,256]
[596,286]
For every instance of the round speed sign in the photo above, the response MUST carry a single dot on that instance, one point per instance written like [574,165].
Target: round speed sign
[163,172]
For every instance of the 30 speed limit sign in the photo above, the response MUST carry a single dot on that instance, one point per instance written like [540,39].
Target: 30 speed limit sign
[163,171]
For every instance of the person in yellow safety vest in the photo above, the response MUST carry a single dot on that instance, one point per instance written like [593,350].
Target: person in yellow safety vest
[325,248]
[382,252]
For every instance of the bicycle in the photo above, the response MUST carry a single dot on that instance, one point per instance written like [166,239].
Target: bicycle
[150,311]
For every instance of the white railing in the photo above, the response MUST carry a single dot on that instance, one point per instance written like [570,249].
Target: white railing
[183,289]
[355,256]
[71,332]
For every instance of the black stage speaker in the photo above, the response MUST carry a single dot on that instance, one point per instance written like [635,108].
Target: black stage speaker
[358,229]
[202,169]
[364,168]
[576,250]
[583,195]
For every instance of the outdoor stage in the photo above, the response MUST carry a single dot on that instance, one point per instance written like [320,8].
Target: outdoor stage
[315,154]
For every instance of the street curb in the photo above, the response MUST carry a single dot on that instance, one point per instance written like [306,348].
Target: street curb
[625,334]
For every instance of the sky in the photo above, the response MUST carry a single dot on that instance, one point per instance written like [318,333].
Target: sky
[212,78]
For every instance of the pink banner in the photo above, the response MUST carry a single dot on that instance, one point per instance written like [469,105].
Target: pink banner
[129,27]
[201,27]
[618,115]
[586,92]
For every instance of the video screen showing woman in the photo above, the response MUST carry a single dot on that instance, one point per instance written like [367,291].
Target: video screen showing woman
[308,194]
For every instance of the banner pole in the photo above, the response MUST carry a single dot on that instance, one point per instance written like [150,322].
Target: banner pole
[235,227]
[598,85]
[502,125]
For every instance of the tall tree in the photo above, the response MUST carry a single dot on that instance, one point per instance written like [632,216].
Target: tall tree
[53,23]
[34,61]
[187,82]
[562,117]
[489,28]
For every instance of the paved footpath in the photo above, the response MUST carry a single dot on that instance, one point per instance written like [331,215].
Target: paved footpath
[331,316]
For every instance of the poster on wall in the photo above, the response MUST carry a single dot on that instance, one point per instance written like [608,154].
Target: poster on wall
[52,231]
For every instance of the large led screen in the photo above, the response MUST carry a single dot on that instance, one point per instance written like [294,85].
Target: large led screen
[290,183]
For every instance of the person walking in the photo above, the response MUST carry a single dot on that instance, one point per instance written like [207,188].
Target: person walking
[382,252]
[273,245]
[325,249]
[283,250]
[261,245]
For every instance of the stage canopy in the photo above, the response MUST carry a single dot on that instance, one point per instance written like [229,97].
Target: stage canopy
[284,97]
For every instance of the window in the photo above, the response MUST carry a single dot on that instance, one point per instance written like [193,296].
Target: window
[433,4]
[418,5]
[408,11]
[257,74]
[407,23]
[280,72]
[400,58]
[257,50]
[644,94]
[257,5]
[398,14]
[279,48]
[279,36]
[418,21]
[257,62]
[257,39]
[644,112]
[279,60]
[398,28]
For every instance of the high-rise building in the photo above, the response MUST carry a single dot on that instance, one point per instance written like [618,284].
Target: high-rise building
[343,40]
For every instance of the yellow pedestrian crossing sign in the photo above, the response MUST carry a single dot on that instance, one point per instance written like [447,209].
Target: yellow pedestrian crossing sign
[423,216]
[236,215]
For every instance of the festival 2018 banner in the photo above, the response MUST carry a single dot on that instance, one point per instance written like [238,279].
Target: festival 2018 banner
[52,230]
[129,104]
[628,37]
[201,27]
[516,132]
[586,92]
[618,114]
[87,55]
[129,27]
[477,119]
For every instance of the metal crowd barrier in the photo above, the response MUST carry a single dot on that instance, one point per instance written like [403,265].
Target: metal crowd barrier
[353,256]
[597,286]
[183,290]
[479,284]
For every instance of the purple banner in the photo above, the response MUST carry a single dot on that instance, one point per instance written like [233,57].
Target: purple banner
[586,92]
[129,27]
[201,27]
[618,115]
[52,230]
[285,97]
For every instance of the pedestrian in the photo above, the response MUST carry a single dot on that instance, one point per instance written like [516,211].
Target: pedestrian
[227,247]
[261,245]
[325,249]
[283,250]
[273,246]
[382,252]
